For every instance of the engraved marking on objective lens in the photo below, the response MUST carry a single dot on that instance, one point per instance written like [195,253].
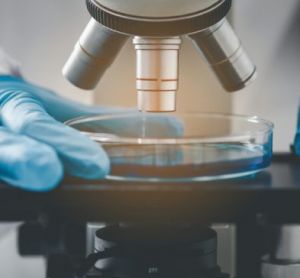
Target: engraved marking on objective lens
[156,79]
[151,90]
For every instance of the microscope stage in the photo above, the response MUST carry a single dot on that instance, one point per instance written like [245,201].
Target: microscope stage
[275,191]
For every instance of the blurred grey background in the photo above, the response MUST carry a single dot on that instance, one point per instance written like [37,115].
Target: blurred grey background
[41,34]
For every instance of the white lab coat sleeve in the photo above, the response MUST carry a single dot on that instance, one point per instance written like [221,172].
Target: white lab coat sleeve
[8,66]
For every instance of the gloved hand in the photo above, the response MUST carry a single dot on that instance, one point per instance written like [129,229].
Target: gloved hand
[36,148]
[296,146]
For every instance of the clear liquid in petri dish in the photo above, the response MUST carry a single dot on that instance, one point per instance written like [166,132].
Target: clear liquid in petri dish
[187,161]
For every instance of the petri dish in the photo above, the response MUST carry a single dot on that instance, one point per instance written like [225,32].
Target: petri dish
[180,147]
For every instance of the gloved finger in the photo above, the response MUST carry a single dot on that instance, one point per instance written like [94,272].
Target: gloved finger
[25,115]
[58,107]
[28,164]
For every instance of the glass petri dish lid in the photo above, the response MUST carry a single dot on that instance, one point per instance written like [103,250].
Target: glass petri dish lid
[180,147]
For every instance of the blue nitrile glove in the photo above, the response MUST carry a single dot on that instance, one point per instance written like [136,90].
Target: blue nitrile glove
[297,136]
[36,148]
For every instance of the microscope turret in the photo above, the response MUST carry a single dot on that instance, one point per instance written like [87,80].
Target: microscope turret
[156,27]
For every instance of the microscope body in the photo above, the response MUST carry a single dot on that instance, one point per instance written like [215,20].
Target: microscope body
[157,27]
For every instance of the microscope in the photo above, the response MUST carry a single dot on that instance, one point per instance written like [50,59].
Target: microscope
[155,249]
[159,249]
[110,229]
[157,28]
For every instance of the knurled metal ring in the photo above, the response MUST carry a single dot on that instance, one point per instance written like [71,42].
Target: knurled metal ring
[174,26]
